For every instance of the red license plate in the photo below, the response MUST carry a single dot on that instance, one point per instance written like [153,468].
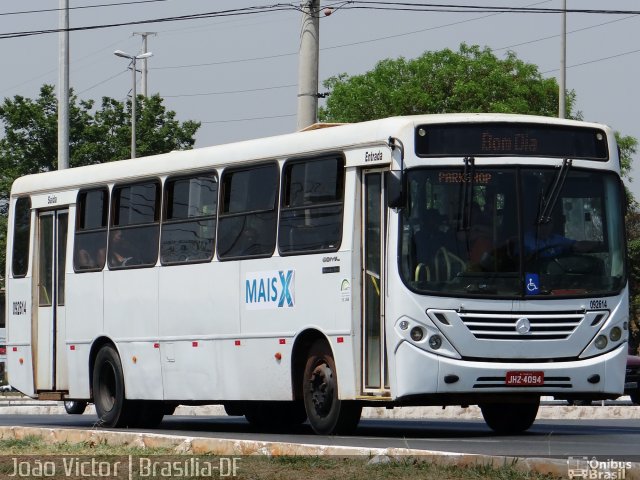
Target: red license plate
[524,379]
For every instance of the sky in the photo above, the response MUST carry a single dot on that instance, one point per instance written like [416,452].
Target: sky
[237,74]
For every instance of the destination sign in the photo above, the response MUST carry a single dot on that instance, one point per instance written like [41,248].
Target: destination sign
[511,139]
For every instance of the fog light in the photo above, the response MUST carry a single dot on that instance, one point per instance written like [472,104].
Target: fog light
[435,341]
[601,342]
[417,334]
[615,334]
[404,325]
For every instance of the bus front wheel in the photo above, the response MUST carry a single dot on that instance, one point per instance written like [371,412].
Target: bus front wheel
[327,414]
[510,418]
[108,388]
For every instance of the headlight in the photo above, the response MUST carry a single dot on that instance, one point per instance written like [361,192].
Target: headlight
[417,334]
[615,334]
[435,341]
[601,342]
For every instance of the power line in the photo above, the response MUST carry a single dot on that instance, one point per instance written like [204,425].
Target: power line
[450,8]
[230,92]
[103,81]
[249,119]
[370,5]
[3,14]
[594,61]
[558,35]
[197,16]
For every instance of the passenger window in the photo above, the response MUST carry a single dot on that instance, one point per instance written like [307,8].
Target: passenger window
[21,234]
[133,237]
[189,224]
[247,224]
[312,204]
[90,245]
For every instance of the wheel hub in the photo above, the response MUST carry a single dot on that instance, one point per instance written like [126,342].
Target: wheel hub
[322,388]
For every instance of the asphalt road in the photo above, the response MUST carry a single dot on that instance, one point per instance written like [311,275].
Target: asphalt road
[606,438]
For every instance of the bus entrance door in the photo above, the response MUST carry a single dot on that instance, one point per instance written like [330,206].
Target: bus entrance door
[49,352]
[374,361]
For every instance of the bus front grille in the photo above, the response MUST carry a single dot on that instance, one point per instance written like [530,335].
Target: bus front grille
[549,326]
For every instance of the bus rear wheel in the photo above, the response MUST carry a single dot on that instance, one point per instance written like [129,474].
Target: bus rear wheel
[510,418]
[108,389]
[327,414]
[75,407]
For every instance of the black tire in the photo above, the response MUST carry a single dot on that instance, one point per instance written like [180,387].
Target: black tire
[145,414]
[275,415]
[635,396]
[108,389]
[328,415]
[75,407]
[510,418]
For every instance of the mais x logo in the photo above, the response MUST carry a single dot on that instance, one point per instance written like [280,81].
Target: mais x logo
[271,289]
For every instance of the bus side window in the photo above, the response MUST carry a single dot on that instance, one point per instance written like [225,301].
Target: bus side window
[189,221]
[21,233]
[312,205]
[90,244]
[248,216]
[135,226]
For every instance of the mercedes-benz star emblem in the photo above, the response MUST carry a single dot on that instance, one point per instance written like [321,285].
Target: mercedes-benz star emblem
[523,326]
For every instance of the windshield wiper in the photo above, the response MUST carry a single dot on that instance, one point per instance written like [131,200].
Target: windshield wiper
[549,201]
[466,185]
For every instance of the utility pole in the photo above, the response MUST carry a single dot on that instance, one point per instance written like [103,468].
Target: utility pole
[134,59]
[309,54]
[145,71]
[562,105]
[63,85]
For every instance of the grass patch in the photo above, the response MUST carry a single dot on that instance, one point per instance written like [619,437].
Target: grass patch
[278,467]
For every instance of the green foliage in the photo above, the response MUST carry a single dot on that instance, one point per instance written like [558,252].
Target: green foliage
[30,141]
[628,147]
[469,80]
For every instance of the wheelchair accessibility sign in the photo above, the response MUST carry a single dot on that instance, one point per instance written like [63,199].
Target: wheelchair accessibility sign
[531,284]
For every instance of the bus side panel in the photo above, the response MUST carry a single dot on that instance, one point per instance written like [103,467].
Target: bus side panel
[84,320]
[131,319]
[198,316]
[307,291]
[19,347]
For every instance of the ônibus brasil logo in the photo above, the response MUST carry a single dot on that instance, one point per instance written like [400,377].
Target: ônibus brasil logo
[271,289]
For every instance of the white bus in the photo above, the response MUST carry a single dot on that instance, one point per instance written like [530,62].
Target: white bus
[3,339]
[428,260]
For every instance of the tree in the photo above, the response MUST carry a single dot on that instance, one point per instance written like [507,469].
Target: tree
[470,80]
[30,141]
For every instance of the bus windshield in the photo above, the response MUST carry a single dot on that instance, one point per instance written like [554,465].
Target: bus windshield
[520,232]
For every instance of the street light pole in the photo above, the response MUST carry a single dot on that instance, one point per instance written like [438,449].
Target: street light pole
[133,59]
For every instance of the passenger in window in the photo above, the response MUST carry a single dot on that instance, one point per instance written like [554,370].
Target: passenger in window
[481,233]
[251,242]
[121,253]
[85,260]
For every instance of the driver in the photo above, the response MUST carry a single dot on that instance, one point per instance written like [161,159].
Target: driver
[544,241]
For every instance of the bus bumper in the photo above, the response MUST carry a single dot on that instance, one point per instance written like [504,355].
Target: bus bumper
[422,373]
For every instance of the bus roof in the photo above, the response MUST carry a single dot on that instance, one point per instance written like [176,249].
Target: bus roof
[338,137]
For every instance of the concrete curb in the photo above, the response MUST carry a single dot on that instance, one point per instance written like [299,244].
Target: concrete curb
[232,447]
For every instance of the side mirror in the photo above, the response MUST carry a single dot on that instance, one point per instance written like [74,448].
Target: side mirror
[394,186]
